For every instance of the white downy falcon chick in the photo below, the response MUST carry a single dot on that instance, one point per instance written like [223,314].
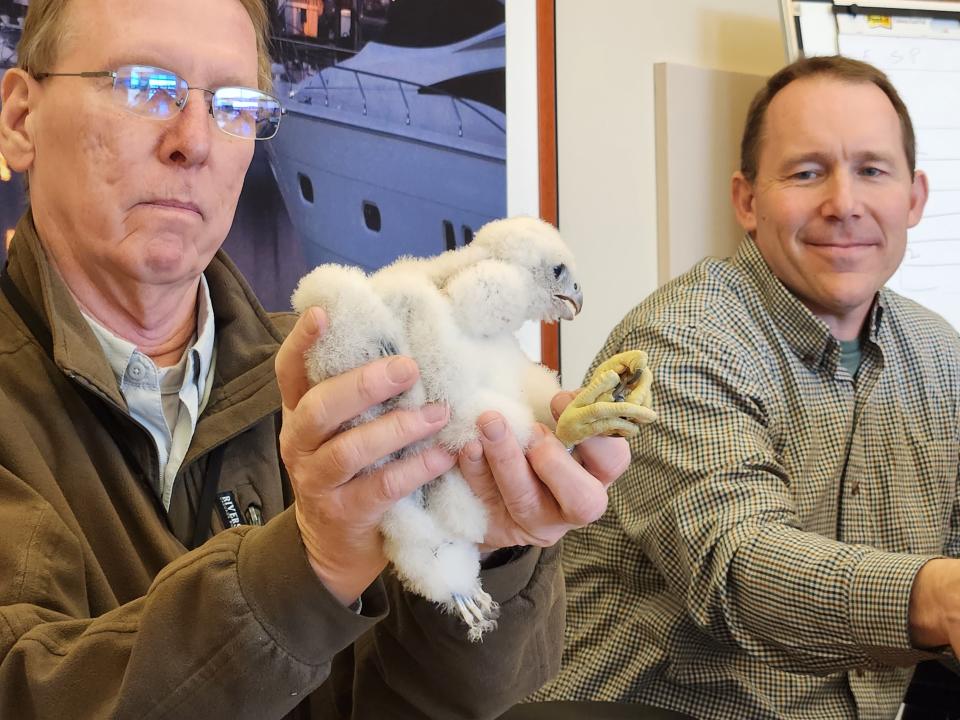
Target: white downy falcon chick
[456,314]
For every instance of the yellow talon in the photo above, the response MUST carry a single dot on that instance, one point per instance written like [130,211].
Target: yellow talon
[616,401]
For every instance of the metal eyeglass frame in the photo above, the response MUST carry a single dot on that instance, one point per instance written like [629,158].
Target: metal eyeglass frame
[179,103]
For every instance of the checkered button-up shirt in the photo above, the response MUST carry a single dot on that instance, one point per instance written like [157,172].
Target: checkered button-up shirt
[757,558]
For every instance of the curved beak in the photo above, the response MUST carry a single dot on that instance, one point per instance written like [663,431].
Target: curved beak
[569,304]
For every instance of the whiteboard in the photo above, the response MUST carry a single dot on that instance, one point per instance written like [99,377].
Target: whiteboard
[919,51]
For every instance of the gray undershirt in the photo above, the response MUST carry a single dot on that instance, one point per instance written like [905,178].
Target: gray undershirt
[850,355]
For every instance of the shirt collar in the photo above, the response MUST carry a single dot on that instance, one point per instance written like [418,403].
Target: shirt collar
[808,336]
[120,352]
[206,331]
[876,315]
[241,379]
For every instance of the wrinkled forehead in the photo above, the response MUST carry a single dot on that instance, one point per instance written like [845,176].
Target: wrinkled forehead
[208,42]
[823,114]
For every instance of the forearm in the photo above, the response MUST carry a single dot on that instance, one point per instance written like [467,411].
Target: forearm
[210,638]
[807,603]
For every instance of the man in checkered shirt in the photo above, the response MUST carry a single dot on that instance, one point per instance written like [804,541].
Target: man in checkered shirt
[778,547]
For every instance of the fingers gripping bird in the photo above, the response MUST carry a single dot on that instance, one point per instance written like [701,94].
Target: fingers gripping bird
[456,315]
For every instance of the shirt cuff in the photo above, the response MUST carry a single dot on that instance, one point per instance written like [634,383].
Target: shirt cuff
[502,556]
[505,581]
[880,607]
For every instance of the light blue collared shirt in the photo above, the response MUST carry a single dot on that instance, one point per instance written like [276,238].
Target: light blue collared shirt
[166,401]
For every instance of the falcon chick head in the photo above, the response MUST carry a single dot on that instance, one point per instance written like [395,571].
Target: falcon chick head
[527,273]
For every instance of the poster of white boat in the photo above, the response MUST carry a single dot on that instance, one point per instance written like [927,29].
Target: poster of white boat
[394,140]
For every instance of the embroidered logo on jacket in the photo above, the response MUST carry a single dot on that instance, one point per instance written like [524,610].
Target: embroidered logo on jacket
[228,509]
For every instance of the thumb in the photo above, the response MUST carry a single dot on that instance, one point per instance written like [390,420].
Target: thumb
[560,402]
[290,367]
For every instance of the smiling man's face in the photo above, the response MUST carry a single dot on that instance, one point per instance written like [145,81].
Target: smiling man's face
[125,199]
[833,197]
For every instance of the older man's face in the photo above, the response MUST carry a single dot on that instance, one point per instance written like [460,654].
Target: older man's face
[142,200]
[833,196]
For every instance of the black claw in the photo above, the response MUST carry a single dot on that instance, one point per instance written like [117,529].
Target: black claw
[387,348]
[626,384]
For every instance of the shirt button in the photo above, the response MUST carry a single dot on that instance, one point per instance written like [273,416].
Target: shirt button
[136,371]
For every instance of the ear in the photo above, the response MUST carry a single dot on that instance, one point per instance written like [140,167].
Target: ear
[919,191]
[16,139]
[744,202]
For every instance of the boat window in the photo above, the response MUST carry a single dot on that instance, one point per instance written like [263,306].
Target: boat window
[449,236]
[371,216]
[306,187]
[467,235]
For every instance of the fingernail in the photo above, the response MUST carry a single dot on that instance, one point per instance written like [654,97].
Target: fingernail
[434,413]
[473,451]
[493,429]
[399,370]
[312,324]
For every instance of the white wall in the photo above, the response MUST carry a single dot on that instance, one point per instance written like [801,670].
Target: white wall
[606,50]
[523,152]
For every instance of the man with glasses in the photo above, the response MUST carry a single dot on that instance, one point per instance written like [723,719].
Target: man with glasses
[147,403]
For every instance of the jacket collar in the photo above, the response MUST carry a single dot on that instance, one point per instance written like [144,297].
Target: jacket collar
[76,350]
[247,338]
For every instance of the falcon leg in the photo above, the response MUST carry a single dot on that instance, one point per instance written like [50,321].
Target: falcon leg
[441,568]
[455,508]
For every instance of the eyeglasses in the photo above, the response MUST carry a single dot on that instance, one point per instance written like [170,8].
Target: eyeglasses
[160,94]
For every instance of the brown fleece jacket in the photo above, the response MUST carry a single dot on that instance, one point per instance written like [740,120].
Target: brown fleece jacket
[103,611]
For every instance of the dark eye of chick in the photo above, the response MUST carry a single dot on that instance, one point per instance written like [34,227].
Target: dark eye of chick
[559,270]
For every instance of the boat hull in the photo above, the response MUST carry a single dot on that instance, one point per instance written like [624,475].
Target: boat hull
[423,193]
